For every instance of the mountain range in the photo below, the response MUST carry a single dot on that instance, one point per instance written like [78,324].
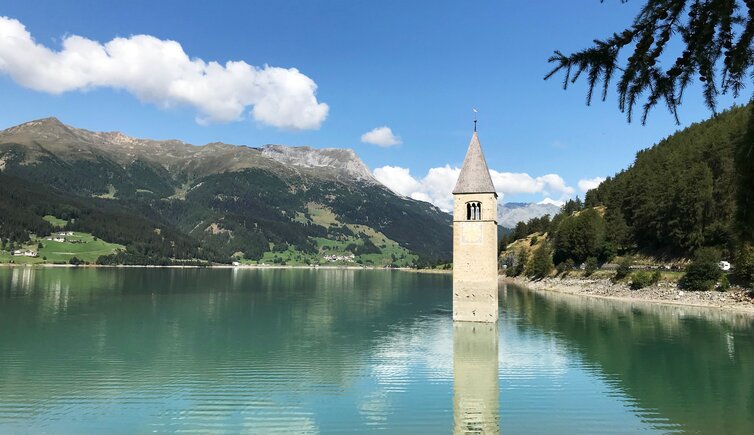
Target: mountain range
[217,201]
[511,213]
[168,200]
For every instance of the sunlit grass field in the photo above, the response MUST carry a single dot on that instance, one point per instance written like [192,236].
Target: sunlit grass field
[83,246]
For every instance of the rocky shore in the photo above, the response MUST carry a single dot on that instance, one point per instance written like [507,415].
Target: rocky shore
[664,293]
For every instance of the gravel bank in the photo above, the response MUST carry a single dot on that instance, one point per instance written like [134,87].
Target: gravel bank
[665,293]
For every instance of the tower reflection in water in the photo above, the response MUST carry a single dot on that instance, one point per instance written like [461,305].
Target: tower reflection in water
[475,378]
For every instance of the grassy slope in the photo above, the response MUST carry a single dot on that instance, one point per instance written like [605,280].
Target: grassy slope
[29,208]
[61,252]
[58,223]
[639,262]
[246,204]
[321,215]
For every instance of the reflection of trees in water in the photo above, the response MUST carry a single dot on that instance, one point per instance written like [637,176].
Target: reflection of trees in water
[259,330]
[476,390]
[694,366]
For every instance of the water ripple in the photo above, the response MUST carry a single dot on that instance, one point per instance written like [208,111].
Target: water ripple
[301,352]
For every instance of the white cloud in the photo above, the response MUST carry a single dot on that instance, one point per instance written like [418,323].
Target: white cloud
[381,136]
[586,184]
[160,72]
[421,196]
[397,179]
[437,186]
[553,184]
[514,183]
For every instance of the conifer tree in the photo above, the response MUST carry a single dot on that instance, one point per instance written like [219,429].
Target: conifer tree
[540,265]
[716,38]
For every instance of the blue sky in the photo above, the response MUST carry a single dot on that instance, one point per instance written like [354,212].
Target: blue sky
[417,67]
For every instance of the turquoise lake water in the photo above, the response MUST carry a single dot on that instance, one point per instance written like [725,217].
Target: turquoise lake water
[327,351]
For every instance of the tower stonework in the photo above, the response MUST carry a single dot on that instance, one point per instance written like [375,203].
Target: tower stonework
[475,240]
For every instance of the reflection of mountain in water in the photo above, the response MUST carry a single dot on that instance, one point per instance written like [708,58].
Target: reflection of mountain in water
[693,366]
[476,392]
[106,335]
[343,350]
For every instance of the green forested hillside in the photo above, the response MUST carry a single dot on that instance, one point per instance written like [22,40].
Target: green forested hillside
[258,207]
[680,194]
[678,200]
[24,206]
[169,200]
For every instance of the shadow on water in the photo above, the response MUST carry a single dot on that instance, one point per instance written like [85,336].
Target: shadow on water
[693,366]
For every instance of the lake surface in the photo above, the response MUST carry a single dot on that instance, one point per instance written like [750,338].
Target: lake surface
[305,351]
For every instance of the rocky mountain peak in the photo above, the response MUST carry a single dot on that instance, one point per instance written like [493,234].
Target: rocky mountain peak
[50,136]
[50,121]
[44,126]
[339,159]
[116,136]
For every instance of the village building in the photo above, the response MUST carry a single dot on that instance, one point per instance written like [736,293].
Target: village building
[24,253]
[333,258]
[475,274]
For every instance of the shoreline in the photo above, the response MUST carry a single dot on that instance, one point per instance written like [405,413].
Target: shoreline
[213,266]
[663,293]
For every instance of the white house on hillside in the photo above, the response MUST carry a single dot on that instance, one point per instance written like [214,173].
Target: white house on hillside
[24,253]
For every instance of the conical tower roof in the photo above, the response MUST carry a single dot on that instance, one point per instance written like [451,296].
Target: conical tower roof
[475,176]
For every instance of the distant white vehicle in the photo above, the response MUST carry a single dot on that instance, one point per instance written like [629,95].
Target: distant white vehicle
[724,265]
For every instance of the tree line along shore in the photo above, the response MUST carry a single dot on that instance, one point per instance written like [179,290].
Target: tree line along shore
[672,218]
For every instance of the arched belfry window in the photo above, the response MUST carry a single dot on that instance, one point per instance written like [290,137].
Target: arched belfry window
[474,211]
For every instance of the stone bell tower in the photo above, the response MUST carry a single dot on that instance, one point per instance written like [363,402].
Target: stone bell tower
[475,240]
